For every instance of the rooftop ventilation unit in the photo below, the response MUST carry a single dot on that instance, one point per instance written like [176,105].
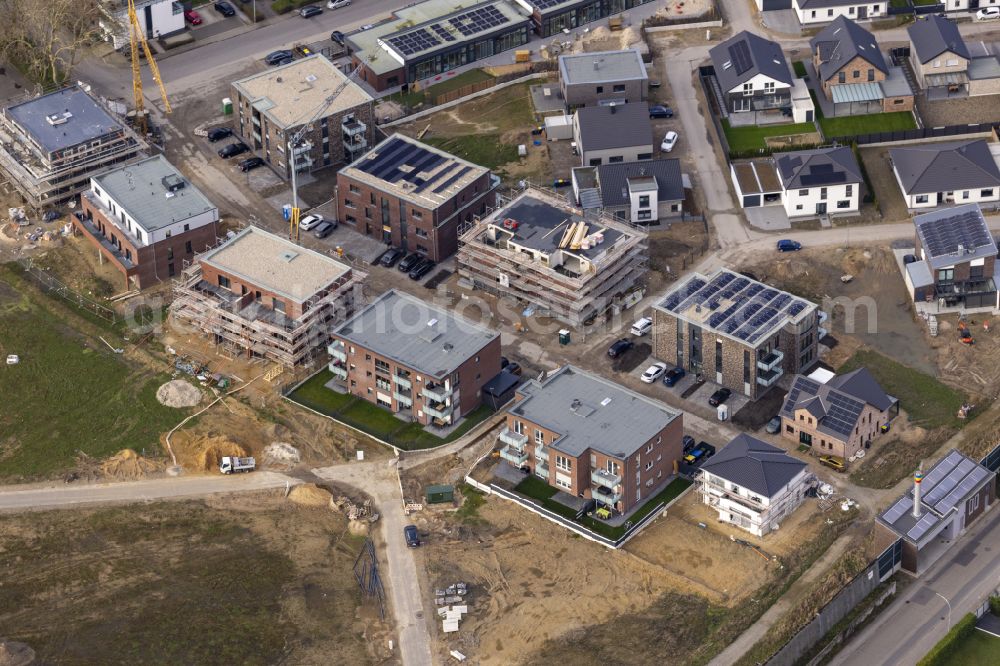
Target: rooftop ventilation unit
[173,182]
[59,118]
[288,255]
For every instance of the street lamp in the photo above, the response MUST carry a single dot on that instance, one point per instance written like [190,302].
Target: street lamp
[949,608]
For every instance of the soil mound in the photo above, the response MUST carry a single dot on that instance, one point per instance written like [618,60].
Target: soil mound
[127,465]
[309,494]
[15,654]
[178,393]
[282,452]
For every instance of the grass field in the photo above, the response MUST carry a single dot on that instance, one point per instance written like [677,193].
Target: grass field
[752,138]
[69,393]
[868,124]
[446,85]
[979,649]
[483,149]
[799,68]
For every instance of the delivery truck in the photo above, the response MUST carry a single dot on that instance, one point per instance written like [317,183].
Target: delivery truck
[233,464]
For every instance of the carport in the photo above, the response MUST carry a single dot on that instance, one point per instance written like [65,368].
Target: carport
[945,86]
[756,182]
[856,99]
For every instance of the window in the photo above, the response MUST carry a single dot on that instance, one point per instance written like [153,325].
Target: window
[813,14]
[951,62]
[937,63]
[851,11]
[946,275]
[649,448]
[829,12]
[746,367]
[616,158]
[803,193]
[718,356]
[564,463]
[519,427]
[644,156]
[416,214]
[769,87]
[224,282]
[845,203]
[973,503]
[170,254]
[798,207]
[372,198]
[419,233]
[871,74]
[562,483]
[848,190]
[187,247]
[975,272]
[822,193]
[842,77]
[381,366]
[600,89]
[620,87]
[790,429]
[596,161]
[921,198]
[649,465]
[354,189]
[644,201]
[187,227]
[857,74]
[748,88]
[539,437]
[985,193]
[349,204]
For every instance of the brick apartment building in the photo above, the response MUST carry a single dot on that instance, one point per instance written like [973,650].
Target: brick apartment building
[147,220]
[413,196]
[273,105]
[415,359]
[590,437]
[735,331]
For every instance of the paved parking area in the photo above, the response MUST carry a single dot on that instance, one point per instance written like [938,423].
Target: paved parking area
[781,20]
[958,111]
[768,218]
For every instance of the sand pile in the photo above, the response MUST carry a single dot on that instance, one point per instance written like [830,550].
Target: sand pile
[178,393]
[281,453]
[211,451]
[127,465]
[15,654]
[309,494]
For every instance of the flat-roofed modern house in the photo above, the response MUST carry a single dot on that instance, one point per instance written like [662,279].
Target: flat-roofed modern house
[50,146]
[752,73]
[942,504]
[147,220]
[261,296]
[613,133]
[753,485]
[602,77]
[814,12]
[273,105]
[822,181]
[157,18]
[590,437]
[956,260]
[545,254]
[413,195]
[552,17]
[735,331]
[645,192]
[415,359]
[946,173]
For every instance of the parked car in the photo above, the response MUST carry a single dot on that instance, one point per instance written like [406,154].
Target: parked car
[672,376]
[310,10]
[337,37]
[719,397]
[909,259]
[504,362]
[324,229]
[224,8]
[391,256]
[310,221]
[279,57]
[653,372]
[641,327]
[687,441]
[422,269]
[407,264]
[218,134]
[52,215]
[773,426]
[192,17]
[620,347]
[337,4]
[833,462]
[700,453]
[411,535]
[251,163]
[988,14]
[302,51]
[514,368]
[785,245]
[661,111]
[653,83]
[233,149]
[669,141]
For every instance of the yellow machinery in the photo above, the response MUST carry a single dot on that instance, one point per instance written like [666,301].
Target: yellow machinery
[136,38]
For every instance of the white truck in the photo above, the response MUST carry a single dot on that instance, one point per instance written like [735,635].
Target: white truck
[233,465]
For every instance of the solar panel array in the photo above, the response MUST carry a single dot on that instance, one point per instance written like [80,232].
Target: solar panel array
[481,19]
[478,20]
[901,507]
[842,413]
[926,521]
[545,4]
[942,236]
[415,41]
[400,160]
[739,55]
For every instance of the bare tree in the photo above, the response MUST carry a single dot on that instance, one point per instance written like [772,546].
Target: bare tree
[45,38]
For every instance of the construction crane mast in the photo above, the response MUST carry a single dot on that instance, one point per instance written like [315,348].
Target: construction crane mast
[293,219]
[136,37]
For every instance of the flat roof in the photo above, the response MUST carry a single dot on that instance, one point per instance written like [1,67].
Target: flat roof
[895,83]
[431,340]
[289,95]
[275,264]
[589,412]
[78,118]
[856,92]
[734,306]
[600,66]
[757,176]
[953,235]
[987,67]
[407,168]
[154,193]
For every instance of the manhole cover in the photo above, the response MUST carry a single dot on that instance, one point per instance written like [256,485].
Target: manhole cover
[420,615]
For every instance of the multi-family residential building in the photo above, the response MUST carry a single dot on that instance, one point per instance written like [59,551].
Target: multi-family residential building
[946,173]
[955,260]
[753,485]
[602,77]
[735,331]
[592,438]
[839,417]
[147,220]
[157,18]
[415,359]
[820,181]
[414,196]
[813,12]
[50,146]
[645,192]
[273,105]
[545,254]
[613,133]
[261,296]
[753,74]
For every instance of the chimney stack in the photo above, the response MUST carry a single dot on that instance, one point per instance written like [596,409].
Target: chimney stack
[918,476]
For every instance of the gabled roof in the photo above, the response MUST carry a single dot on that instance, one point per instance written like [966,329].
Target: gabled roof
[842,41]
[614,126]
[935,35]
[755,465]
[613,180]
[953,235]
[744,56]
[945,167]
[862,384]
[818,168]
[836,405]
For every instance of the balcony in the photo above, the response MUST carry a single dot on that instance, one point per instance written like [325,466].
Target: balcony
[513,456]
[402,382]
[436,392]
[517,440]
[439,410]
[604,478]
[403,399]
[717,490]
[542,470]
[338,370]
[541,453]
[354,147]
[605,496]
[337,351]
[111,249]
[768,378]
[353,127]
[771,360]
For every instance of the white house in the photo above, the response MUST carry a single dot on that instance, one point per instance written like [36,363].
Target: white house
[819,182]
[815,12]
[752,73]
[158,18]
[944,174]
[753,485]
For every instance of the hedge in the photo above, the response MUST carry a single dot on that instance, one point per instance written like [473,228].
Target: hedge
[995,605]
[940,653]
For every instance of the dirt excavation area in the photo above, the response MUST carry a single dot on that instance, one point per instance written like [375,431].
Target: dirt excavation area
[239,580]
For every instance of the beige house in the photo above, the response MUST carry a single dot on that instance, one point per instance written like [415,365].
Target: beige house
[938,54]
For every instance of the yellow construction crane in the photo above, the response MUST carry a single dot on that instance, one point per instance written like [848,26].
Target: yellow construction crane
[136,37]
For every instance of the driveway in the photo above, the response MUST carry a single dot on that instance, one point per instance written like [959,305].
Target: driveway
[768,218]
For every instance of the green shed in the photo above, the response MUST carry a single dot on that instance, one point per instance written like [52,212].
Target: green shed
[439,494]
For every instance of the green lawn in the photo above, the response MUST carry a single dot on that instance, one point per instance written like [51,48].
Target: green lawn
[742,139]
[868,124]
[979,649]
[800,69]
[446,85]
[374,420]
[483,149]
[69,393]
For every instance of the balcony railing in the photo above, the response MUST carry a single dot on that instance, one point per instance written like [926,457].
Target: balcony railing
[605,496]
[337,351]
[542,470]
[353,127]
[771,360]
[402,382]
[603,477]
[403,400]
[770,377]
[541,453]
[338,370]
[515,439]
[436,392]
[718,490]
[513,456]
[439,410]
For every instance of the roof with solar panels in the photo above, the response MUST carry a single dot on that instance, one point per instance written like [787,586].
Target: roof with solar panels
[414,171]
[735,306]
[818,168]
[746,55]
[837,404]
[954,235]
[943,491]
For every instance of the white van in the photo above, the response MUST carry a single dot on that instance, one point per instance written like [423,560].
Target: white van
[642,326]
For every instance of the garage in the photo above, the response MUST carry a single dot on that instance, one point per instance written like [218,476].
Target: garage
[757,183]
[773,5]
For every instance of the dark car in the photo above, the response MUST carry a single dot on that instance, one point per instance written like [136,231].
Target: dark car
[688,442]
[218,134]
[719,397]
[324,229]
[421,269]
[279,57]
[233,149]
[337,36]
[224,8]
[391,256]
[504,362]
[785,245]
[251,163]
[411,535]
[909,258]
[407,264]
[661,111]
[52,215]
[513,368]
[310,10]
[672,376]
[620,347]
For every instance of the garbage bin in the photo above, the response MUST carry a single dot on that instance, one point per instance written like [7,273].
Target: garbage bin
[564,336]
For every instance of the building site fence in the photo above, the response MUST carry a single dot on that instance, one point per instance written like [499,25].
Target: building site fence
[51,285]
